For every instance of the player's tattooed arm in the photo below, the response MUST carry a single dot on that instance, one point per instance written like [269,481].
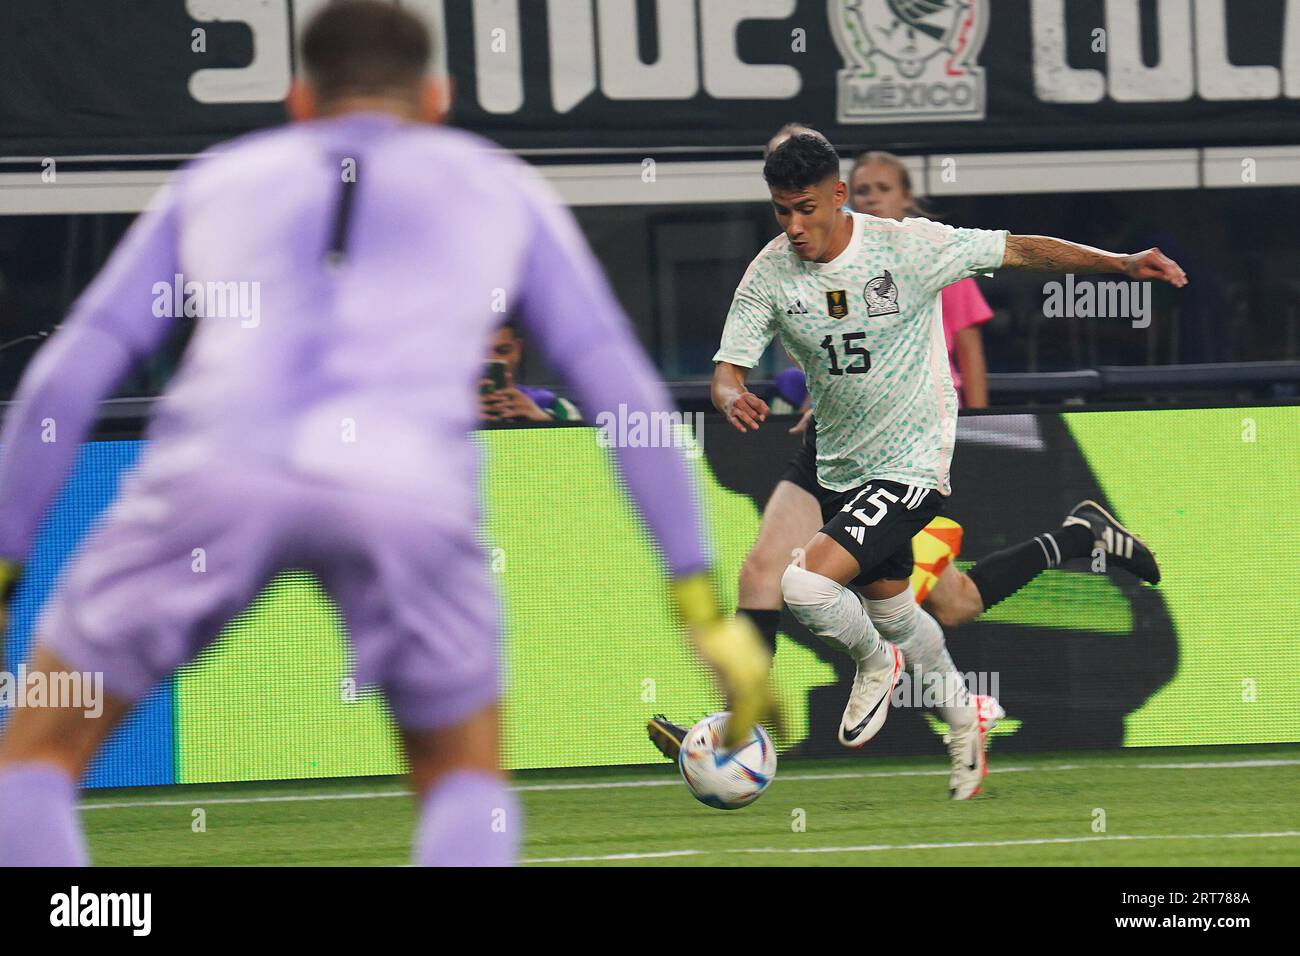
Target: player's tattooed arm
[742,407]
[1045,254]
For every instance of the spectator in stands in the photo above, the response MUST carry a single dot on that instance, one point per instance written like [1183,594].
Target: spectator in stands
[880,185]
[502,400]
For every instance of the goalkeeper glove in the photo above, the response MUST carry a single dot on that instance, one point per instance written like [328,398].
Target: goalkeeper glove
[733,648]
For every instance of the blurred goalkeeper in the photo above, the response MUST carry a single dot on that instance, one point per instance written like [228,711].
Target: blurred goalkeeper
[329,431]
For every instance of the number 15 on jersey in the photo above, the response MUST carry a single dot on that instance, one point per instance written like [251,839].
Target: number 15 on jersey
[850,350]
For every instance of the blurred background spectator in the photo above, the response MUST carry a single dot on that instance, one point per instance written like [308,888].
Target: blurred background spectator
[503,399]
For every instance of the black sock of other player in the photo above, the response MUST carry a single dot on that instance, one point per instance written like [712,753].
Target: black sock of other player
[1005,572]
[767,623]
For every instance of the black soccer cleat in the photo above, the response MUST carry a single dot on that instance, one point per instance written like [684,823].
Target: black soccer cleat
[665,735]
[1124,547]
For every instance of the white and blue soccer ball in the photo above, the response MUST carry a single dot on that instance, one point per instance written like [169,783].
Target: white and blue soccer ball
[722,779]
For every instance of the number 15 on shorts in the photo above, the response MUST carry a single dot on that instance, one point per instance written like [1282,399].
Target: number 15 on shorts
[875,501]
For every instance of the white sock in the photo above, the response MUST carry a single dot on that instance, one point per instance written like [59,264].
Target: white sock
[834,613]
[901,620]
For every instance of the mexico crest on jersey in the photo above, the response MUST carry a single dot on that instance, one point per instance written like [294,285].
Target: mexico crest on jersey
[837,303]
[881,295]
[909,61]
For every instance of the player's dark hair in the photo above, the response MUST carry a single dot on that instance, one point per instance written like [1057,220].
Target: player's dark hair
[803,160]
[365,47]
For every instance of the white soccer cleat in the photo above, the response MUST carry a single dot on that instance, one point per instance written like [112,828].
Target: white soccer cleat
[868,704]
[969,749]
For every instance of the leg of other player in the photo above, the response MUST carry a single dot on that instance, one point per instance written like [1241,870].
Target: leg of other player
[1005,572]
[791,517]
[43,754]
[954,599]
[1002,574]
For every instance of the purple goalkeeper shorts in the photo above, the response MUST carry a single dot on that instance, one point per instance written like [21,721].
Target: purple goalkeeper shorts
[413,588]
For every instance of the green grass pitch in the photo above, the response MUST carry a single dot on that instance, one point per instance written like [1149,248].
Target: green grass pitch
[1207,806]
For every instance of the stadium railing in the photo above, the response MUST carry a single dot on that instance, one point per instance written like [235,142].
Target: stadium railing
[1105,385]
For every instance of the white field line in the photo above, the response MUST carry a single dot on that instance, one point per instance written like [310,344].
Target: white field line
[1211,765]
[615,857]
[884,847]
[674,782]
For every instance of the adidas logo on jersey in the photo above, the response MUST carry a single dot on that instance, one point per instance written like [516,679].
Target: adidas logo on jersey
[797,308]
[857,532]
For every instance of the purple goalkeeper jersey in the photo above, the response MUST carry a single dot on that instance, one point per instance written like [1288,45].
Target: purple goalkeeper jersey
[356,371]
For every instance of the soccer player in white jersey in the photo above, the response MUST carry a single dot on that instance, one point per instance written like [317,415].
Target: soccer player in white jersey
[792,515]
[854,300]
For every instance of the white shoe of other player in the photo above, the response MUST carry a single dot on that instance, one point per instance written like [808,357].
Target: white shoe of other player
[969,749]
[868,704]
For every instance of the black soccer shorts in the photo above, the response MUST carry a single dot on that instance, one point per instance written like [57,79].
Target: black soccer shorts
[874,522]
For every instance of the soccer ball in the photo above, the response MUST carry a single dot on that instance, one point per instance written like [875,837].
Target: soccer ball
[721,779]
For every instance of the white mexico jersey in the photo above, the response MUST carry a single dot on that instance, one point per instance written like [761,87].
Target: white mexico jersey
[867,329]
